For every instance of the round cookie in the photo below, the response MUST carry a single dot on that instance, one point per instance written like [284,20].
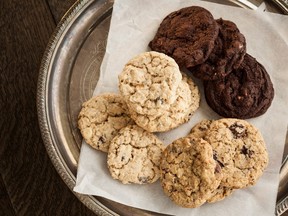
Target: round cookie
[101,118]
[134,156]
[240,150]
[200,131]
[187,102]
[189,174]
[148,83]
[187,35]
[228,53]
[246,92]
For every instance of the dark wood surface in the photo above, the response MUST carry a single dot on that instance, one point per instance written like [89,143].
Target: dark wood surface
[29,184]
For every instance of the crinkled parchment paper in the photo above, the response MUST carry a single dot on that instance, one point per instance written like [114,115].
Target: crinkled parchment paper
[133,25]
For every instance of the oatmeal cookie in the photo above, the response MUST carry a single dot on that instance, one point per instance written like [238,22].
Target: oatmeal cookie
[189,174]
[101,118]
[134,156]
[240,150]
[149,82]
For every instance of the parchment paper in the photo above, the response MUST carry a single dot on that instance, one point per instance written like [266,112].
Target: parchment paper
[133,25]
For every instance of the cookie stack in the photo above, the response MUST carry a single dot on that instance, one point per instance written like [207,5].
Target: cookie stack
[235,84]
[158,96]
[216,158]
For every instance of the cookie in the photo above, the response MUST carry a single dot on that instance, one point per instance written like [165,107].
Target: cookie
[101,118]
[189,174]
[246,92]
[149,82]
[227,55]
[134,156]
[187,35]
[240,150]
[187,102]
[200,130]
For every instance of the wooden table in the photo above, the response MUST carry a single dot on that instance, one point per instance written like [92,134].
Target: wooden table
[29,184]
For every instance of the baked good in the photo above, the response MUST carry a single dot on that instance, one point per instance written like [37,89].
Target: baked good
[187,102]
[227,55]
[101,118]
[149,82]
[134,156]
[200,130]
[189,174]
[240,150]
[187,35]
[246,92]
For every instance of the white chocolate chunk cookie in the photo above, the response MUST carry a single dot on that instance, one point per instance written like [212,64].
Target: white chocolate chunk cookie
[148,83]
[187,102]
[189,174]
[134,156]
[101,118]
[240,150]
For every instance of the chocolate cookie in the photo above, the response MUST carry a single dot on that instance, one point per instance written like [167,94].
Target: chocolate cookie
[228,53]
[246,92]
[187,35]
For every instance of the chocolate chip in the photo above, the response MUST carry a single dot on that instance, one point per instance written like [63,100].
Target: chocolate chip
[122,158]
[238,130]
[215,157]
[247,151]
[143,179]
[217,168]
[101,140]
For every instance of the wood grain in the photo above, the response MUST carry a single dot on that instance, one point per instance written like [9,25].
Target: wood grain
[59,8]
[32,183]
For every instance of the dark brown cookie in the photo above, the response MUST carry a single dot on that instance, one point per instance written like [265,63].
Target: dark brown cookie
[246,92]
[228,53]
[187,35]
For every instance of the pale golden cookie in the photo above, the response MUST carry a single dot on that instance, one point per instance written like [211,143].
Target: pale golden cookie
[189,174]
[101,118]
[187,102]
[134,156]
[149,82]
[240,150]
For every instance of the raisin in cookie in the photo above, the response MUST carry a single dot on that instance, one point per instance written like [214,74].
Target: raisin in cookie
[187,102]
[101,118]
[240,150]
[149,82]
[246,92]
[228,53]
[199,131]
[134,156]
[187,35]
[189,174]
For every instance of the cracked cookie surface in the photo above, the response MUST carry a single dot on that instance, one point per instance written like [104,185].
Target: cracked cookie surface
[101,118]
[240,150]
[148,83]
[227,54]
[187,102]
[199,131]
[134,156]
[189,174]
[246,92]
[187,35]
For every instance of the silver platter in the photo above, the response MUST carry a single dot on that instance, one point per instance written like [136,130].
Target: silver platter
[68,74]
